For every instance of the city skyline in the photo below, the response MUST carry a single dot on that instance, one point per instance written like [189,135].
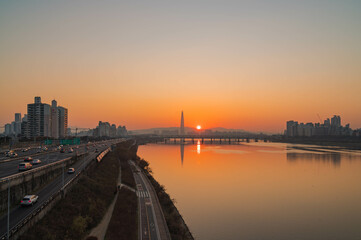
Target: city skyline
[281,131]
[246,65]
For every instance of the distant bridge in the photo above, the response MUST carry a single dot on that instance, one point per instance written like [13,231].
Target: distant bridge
[215,138]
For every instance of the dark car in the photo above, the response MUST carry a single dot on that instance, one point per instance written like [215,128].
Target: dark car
[28,159]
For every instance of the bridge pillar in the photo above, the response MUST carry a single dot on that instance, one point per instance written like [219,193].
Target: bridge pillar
[211,140]
[202,140]
[229,140]
[220,140]
[193,140]
[175,140]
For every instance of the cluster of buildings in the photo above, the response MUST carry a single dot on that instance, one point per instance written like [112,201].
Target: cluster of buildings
[330,127]
[104,129]
[51,121]
[41,120]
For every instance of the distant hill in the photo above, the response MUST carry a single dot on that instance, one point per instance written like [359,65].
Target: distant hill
[174,130]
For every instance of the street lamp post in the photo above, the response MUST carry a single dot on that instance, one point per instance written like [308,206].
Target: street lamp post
[63,175]
[8,227]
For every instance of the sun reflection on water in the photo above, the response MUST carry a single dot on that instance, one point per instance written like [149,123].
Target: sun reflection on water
[199,147]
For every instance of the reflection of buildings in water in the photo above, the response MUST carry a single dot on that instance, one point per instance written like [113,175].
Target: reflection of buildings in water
[182,152]
[199,147]
[334,157]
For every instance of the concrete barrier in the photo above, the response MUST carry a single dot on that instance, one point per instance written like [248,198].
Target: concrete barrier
[33,217]
[101,155]
[31,180]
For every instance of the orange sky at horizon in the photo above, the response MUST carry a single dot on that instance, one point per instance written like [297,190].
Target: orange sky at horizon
[235,65]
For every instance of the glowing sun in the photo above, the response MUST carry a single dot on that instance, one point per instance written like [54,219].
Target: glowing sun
[199,127]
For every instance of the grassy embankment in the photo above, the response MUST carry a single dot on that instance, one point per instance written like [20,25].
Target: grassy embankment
[83,206]
[124,221]
[176,225]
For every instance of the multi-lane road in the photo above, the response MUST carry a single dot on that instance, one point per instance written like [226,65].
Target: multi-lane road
[18,213]
[20,153]
[11,167]
[152,225]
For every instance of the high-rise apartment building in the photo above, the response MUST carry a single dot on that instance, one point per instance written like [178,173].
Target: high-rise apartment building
[39,120]
[63,121]
[330,127]
[54,120]
[42,120]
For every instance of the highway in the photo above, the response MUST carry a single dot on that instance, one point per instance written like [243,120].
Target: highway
[10,166]
[20,153]
[19,213]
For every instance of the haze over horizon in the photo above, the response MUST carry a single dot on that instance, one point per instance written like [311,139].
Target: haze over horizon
[244,65]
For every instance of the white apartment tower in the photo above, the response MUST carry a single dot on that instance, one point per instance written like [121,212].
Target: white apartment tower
[54,120]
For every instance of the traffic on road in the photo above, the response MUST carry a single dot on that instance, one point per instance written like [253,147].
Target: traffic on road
[19,213]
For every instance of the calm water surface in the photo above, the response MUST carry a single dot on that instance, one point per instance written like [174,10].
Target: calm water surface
[262,190]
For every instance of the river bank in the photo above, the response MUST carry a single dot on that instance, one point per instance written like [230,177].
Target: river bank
[178,229]
[339,143]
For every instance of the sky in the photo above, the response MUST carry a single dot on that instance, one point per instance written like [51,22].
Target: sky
[249,65]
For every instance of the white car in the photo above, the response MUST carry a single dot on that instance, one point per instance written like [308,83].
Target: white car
[29,200]
[70,150]
[35,162]
[71,170]
[25,166]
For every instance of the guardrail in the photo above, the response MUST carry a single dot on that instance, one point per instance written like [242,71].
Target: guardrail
[31,215]
[101,155]
[5,179]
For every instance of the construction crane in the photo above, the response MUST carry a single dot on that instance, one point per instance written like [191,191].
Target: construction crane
[80,129]
[318,115]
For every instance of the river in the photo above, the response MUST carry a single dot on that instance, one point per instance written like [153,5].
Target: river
[261,190]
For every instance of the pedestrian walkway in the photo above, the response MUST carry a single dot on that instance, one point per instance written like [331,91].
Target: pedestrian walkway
[142,194]
[152,224]
[100,230]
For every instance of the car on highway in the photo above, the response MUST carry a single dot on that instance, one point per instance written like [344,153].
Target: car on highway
[28,159]
[62,150]
[25,149]
[35,162]
[39,150]
[25,166]
[71,170]
[70,150]
[13,155]
[29,200]
[45,149]
[9,153]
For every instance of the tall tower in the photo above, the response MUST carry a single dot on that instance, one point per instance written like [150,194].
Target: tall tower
[181,132]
